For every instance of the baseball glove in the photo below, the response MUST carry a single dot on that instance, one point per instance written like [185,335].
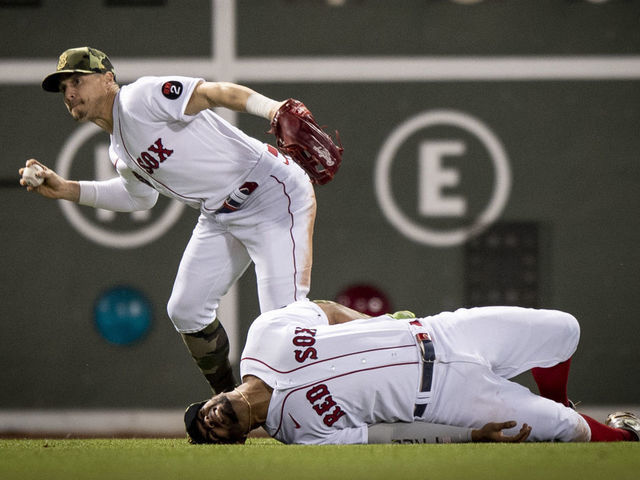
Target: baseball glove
[300,137]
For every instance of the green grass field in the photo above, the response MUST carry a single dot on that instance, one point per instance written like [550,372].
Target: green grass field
[160,459]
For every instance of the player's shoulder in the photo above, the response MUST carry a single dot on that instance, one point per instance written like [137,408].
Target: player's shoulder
[156,98]
[162,86]
[305,311]
[300,312]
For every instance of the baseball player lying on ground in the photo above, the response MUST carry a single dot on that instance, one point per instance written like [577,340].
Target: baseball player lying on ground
[319,373]
[166,139]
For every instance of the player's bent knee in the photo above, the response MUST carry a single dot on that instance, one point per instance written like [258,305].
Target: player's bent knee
[187,317]
[566,333]
[571,330]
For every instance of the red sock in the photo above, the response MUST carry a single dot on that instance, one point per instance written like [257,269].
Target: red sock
[552,381]
[602,433]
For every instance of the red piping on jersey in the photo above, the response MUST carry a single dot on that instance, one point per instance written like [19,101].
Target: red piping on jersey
[413,345]
[333,378]
[293,240]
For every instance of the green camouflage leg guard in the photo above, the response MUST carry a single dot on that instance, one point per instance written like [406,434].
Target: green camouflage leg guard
[210,349]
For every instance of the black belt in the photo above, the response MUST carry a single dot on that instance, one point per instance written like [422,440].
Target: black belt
[428,354]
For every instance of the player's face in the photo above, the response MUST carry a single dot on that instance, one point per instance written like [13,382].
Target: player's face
[82,94]
[218,421]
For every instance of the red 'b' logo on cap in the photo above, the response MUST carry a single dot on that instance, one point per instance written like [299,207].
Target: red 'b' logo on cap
[172,89]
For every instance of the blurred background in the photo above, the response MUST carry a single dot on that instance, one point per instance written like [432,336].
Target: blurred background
[491,157]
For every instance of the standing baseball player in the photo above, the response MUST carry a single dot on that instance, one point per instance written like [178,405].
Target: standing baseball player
[320,374]
[255,203]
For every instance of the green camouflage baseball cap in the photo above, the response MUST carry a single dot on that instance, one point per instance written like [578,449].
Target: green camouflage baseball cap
[77,60]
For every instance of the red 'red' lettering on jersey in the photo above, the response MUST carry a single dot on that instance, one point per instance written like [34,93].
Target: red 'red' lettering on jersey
[325,406]
[304,337]
[317,392]
[333,417]
[148,162]
[322,402]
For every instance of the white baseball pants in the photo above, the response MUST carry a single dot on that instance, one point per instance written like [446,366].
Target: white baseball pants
[478,350]
[273,228]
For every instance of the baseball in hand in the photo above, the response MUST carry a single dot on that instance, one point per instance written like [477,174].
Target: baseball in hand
[29,175]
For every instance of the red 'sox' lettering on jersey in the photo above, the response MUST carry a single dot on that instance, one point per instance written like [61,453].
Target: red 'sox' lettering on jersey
[322,403]
[151,159]
[304,337]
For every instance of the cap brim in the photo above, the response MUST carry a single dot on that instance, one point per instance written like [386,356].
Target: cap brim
[51,83]
[191,422]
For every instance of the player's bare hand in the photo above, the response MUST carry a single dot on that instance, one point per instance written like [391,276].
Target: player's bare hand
[53,186]
[492,432]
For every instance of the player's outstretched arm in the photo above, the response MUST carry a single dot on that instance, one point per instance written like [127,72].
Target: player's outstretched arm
[115,194]
[53,186]
[232,96]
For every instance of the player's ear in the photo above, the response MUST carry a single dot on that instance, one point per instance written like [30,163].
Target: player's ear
[110,78]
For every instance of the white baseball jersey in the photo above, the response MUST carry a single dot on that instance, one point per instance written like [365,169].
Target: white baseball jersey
[331,381]
[322,375]
[193,158]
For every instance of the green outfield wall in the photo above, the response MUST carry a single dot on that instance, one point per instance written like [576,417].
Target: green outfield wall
[491,157]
